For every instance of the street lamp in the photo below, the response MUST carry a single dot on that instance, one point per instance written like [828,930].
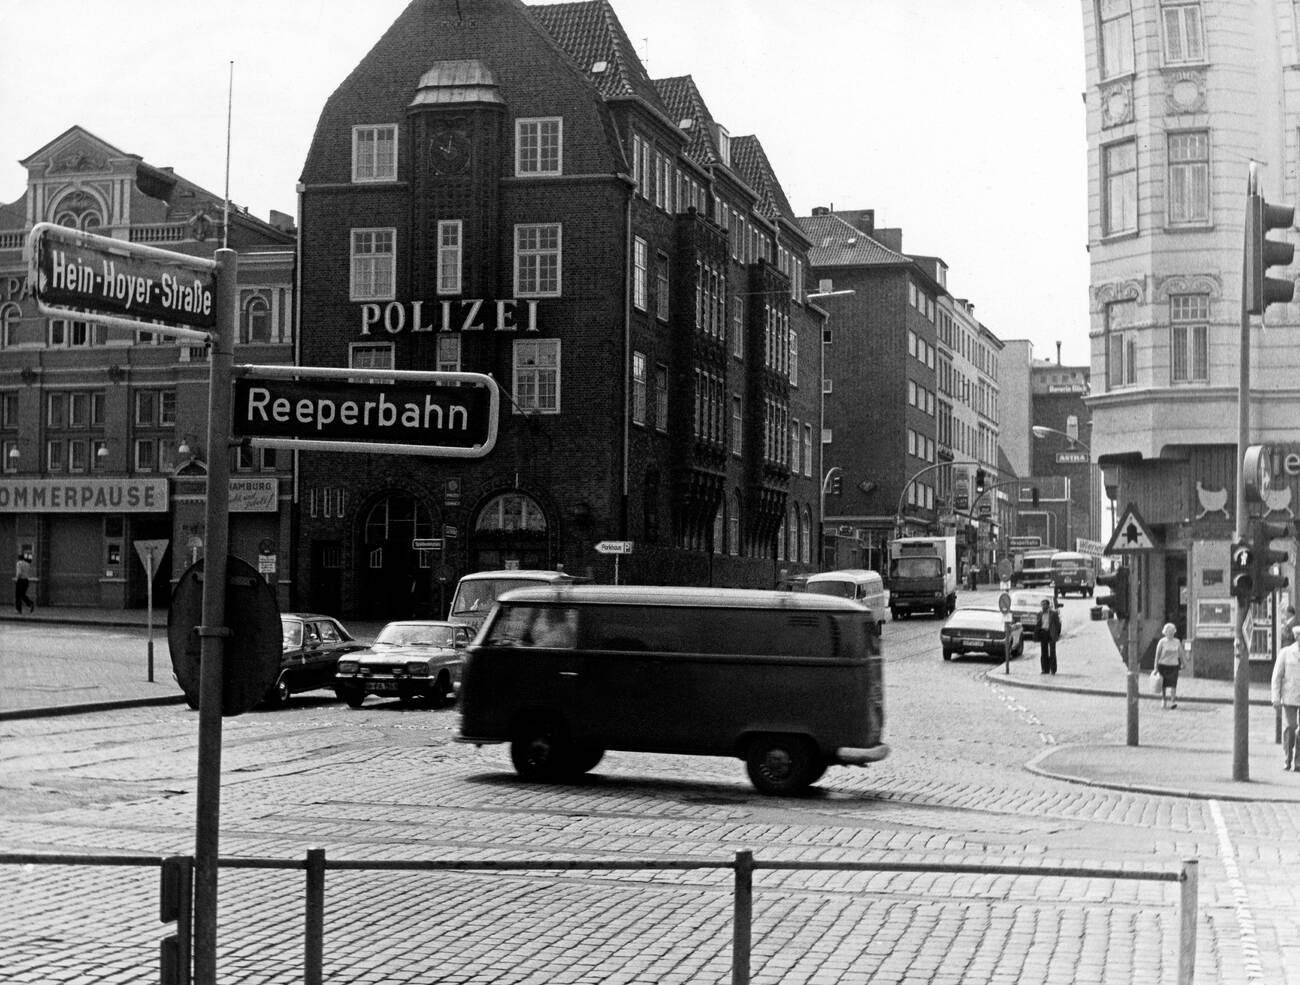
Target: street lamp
[821,425]
[1040,432]
[831,472]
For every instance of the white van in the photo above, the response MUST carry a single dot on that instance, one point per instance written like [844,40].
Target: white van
[476,593]
[859,584]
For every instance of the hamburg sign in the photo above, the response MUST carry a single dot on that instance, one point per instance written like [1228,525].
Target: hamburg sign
[409,412]
[98,273]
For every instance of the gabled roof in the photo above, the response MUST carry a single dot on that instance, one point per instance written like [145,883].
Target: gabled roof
[591,33]
[687,109]
[749,160]
[836,243]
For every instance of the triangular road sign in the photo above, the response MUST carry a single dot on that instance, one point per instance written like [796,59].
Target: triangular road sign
[1131,534]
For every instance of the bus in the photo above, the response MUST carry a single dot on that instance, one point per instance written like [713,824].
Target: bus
[476,593]
[1074,572]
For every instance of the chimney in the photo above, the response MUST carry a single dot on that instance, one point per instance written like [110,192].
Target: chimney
[821,210]
[889,238]
[282,221]
[1058,352]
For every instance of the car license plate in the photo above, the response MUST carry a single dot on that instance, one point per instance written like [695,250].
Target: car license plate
[383,685]
[970,641]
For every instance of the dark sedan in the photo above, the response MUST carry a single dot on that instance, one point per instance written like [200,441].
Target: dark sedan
[311,645]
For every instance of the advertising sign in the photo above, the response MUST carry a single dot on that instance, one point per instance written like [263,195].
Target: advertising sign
[1072,458]
[254,494]
[82,271]
[77,495]
[410,413]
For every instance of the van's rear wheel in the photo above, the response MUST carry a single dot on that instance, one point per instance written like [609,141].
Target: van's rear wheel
[780,765]
[541,751]
[585,757]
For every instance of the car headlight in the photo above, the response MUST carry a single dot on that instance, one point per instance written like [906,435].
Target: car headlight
[348,666]
[417,668]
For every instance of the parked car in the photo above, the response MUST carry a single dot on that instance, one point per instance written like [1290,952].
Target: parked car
[407,660]
[981,630]
[1025,606]
[311,645]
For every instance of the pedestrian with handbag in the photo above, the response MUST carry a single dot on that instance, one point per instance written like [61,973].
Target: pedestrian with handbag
[1286,697]
[22,578]
[1169,661]
[1048,631]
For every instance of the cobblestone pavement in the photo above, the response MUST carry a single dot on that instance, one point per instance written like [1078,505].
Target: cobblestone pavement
[385,783]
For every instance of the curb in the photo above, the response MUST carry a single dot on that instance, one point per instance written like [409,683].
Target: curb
[82,709]
[1033,766]
[995,676]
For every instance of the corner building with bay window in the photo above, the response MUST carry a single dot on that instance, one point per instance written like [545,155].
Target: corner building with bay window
[502,189]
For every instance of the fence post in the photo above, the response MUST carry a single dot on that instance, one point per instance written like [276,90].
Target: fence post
[743,913]
[1187,923]
[314,931]
[176,902]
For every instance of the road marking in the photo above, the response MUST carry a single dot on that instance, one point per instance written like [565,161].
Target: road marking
[1020,711]
[1245,917]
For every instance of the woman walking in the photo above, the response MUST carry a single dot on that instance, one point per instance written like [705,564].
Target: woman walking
[1169,661]
[1286,696]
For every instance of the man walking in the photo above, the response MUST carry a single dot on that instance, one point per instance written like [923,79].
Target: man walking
[23,578]
[1048,630]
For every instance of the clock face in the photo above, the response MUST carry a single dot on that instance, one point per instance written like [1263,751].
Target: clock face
[449,151]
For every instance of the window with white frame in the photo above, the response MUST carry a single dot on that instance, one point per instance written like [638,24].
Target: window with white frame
[1119,186]
[661,287]
[370,355]
[640,386]
[640,273]
[1182,29]
[807,450]
[1116,38]
[256,319]
[535,376]
[1189,177]
[448,353]
[374,264]
[733,525]
[1189,316]
[661,397]
[450,255]
[374,153]
[537,260]
[793,342]
[737,425]
[738,327]
[1121,345]
[145,454]
[539,146]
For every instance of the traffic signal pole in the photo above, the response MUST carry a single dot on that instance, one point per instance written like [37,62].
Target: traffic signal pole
[1241,646]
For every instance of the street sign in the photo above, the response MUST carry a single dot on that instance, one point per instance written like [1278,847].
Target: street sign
[407,412]
[1025,541]
[1004,603]
[151,553]
[1005,569]
[426,544]
[1131,534]
[81,270]
[614,547]
[251,660]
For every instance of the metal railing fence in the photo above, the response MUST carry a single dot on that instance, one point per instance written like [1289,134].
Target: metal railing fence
[178,869]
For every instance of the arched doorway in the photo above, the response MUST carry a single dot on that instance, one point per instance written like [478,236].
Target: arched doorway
[393,578]
[510,531]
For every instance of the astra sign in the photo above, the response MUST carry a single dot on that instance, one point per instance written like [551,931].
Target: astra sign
[450,414]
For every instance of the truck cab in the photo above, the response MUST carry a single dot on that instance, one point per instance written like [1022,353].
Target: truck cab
[922,576]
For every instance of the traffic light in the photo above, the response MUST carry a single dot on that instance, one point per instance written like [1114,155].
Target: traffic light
[1241,571]
[837,484]
[1263,558]
[979,480]
[1262,253]
[1033,494]
[1117,582]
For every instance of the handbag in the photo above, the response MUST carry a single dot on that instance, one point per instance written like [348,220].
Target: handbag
[1157,682]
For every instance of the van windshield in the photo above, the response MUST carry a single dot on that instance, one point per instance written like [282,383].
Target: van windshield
[840,589]
[479,594]
[1067,564]
[916,567]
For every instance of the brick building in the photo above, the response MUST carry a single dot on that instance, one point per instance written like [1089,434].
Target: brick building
[502,189]
[1068,508]
[122,418]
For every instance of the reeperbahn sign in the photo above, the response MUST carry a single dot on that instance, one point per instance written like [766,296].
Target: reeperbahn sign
[78,270]
[418,413]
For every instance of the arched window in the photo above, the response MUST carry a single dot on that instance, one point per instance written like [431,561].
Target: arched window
[79,210]
[733,525]
[719,530]
[780,541]
[805,537]
[509,513]
[257,320]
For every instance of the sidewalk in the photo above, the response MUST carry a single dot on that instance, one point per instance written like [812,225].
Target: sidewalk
[1186,751]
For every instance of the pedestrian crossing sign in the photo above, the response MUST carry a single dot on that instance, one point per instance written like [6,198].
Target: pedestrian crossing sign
[1131,534]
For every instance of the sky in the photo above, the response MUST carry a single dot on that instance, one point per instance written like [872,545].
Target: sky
[959,121]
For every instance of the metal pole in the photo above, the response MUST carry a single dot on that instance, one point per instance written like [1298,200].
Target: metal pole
[1133,658]
[213,630]
[743,913]
[1187,923]
[148,592]
[1241,667]
[314,926]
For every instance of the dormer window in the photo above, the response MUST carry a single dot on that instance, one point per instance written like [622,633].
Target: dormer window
[724,145]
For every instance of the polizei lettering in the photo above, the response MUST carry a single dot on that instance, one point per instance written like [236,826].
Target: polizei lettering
[458,315]
[405,413]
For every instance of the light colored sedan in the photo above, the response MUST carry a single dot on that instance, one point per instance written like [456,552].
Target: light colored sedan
[407,660]
[1025,606]
[981,630]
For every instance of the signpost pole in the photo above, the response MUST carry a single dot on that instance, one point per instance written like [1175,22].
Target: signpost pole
[149,613]
[213,630]
[1133,657]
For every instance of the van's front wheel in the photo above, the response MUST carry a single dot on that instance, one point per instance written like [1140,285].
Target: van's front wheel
[541,751]
[780,765]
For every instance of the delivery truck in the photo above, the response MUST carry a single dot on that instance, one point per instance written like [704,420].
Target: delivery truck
[922,576]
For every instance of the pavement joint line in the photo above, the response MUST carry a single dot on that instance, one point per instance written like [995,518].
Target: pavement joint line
[1254,967]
